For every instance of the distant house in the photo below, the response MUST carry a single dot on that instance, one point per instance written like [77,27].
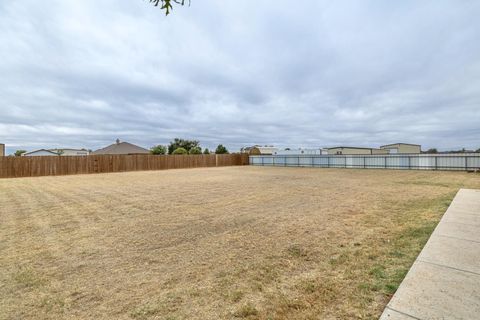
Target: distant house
[257,150]
[402,148]
[57,152]
[40,152]
[299,152]
[355,150]
[2,150]
[247,149]
[71,152]
[121,148]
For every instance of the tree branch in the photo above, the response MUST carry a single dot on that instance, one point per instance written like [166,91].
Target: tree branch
[167,4]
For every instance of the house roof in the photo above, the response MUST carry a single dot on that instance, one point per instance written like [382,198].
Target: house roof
[70,149]
[343,147]
[121,148]
[266,148]
[399,143]
[49,151]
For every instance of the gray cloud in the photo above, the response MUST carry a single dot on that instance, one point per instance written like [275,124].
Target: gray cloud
[81,74]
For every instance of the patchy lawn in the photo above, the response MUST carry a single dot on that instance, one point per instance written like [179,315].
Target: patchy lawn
[219,243]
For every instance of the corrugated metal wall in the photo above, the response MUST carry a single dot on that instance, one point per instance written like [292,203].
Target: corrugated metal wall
[462,161]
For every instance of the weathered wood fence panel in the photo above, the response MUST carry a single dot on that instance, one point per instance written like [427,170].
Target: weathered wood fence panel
[16,167]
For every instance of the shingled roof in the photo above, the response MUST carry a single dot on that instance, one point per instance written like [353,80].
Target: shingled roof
[121,148]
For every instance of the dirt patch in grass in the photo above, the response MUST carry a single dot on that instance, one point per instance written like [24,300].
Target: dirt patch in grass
[219,243]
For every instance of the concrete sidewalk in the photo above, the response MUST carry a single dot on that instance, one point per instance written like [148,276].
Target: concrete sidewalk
[444,281]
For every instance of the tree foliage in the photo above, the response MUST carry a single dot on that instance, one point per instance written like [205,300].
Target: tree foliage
[157,150]
[206,151]
[182,143]
[18,153]
[167,4]
[195,150]
[221,149]
[432,150]
[180,151]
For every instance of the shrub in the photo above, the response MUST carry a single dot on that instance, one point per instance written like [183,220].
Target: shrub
[182,143]
[195,150]
[206,151]
[221,149]
[180,151]
[158,150]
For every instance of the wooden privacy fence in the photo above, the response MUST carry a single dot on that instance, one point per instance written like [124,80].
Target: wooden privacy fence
[16,167]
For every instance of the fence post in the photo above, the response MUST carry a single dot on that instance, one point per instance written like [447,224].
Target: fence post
[328,161]
[216,160]
[436,166]
[466,163]
[385,162]
[409,163]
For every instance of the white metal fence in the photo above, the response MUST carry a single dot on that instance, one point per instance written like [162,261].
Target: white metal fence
[462,162]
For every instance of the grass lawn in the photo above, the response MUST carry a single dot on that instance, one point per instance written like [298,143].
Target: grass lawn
[217,243]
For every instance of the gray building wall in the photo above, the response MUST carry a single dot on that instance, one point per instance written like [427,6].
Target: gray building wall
[402,148]
[353,151]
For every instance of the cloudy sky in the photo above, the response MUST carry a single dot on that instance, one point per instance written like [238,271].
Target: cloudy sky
[304,73]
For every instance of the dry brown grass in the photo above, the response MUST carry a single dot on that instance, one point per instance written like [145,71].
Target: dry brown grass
[219,243]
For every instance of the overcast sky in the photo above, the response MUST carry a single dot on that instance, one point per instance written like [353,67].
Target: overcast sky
[321,73]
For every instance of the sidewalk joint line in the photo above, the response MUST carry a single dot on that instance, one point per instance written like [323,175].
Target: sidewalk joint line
[403,313]
[467,224]
[454,222]
[448,267]
[445,236]
[462,211]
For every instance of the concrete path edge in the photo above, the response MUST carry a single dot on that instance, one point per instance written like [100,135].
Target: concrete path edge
[444,281]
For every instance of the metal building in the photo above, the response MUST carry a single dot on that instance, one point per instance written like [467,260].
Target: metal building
[355,150]
[402,148]
[299,151]
[262,150]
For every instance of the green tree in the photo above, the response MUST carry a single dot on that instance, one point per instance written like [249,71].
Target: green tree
[180,151]
[182,143]
[167,4]
[478,150]
[206,151]
[432,150]
[195,150]
[18,153]
[221,149]
[157,150]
